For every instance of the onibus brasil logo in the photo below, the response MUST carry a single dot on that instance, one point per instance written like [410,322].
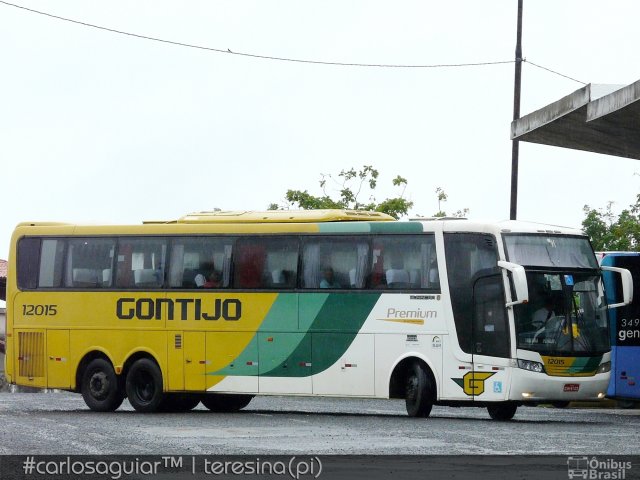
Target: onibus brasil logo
[595,468]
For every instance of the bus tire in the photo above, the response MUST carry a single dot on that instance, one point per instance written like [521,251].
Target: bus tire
[418,391]
[179,402]
[221,402]
[502,411]
[100,387]
[144,386]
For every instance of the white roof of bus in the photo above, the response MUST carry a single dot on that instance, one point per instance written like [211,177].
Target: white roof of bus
[496,227]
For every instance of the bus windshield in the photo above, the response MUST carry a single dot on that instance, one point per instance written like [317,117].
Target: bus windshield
[550,251]
[567,311]
[567,314]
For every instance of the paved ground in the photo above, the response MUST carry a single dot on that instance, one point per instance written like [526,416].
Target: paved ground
[60,423]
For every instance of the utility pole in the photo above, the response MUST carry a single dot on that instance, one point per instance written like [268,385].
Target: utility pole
[515,150]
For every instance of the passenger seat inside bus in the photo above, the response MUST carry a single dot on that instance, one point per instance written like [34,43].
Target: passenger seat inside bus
[145,277]
[397,278]
[85,277]
[189,278]
[106,277]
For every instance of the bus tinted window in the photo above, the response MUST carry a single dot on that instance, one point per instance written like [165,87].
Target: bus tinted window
[89,262]
[335,262]
[469,256]
[51,263]
[200,262]
[261,262]
[141,262]
[550,251]
[28,261]
[404,261]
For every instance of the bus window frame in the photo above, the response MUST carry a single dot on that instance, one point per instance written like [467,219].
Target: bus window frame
[302,239]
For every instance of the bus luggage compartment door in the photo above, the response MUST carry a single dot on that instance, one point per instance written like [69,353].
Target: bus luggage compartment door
[58,370]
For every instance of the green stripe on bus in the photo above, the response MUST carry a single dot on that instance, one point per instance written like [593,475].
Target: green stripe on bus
[330,335]
[282,317]
[585,364]
[337,319]
[396,227]
[371,227]
[347,227]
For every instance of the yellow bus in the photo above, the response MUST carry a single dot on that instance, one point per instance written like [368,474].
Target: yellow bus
[217,307]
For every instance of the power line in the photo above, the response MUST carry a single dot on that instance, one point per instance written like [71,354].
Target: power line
[281,59]
[553,71]
[254,55]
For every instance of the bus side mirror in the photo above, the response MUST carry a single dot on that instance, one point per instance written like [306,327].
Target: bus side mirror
[519,277]
[627,285]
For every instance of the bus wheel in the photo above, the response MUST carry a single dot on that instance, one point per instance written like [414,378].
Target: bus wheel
[144,386]
[418,392]
[502,411]
[179,402]
[220,402]
[100,389]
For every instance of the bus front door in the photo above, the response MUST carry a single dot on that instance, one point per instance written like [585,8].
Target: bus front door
[490,340]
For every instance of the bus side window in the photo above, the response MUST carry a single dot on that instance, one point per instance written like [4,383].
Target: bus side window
[336,263]
[466,255]
[89,262]
[28,260]
[201,262]
[261,262]
[141,262]
[404,262]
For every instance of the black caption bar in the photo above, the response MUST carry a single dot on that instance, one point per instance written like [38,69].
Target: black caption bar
[307,467]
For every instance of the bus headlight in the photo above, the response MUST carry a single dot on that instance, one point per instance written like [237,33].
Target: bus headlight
[531,366]
[604,367]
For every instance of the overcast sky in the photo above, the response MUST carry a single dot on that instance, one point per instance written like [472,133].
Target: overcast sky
[103,128]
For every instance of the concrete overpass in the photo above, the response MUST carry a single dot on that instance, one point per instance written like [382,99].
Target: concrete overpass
[596,118]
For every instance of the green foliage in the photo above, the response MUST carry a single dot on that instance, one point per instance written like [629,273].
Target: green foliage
[349,185]
[442,197]
[610,232]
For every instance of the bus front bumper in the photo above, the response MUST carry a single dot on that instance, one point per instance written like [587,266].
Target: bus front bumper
[529,386]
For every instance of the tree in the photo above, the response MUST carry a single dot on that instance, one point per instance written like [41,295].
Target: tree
[443,197]
[610,232]
[349,185]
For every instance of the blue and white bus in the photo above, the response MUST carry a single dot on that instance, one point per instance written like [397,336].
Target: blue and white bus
[625,327]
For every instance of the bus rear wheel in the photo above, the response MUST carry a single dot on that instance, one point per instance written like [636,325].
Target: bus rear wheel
[221,402]
[144,386]
[418,391]
[100,387]
[502,411]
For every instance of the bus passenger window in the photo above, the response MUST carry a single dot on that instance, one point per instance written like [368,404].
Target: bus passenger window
[200,262]
[269,263]
[141,262]
[28,259]
[88,263]
[335,263]
[404,262]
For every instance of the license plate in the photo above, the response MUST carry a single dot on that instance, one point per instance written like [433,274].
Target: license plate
[571,387]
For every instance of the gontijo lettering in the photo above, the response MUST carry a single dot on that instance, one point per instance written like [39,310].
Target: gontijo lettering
[178,309]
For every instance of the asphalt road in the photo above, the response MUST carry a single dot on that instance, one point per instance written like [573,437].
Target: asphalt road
[60,423]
